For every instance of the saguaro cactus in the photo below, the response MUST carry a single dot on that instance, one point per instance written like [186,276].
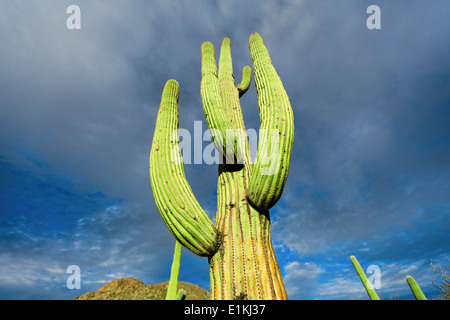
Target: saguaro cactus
[238,246]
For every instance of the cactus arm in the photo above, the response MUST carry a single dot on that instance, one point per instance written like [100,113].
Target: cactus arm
[277,123]
[174,198]
[415,288]
[227,88]
[246,80]
[226,69]
[174,273]
[225,62]
[213,106]
[230,98]
[362,276]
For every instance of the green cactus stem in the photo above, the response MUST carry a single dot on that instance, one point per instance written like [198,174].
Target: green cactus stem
[362,276]
[174,273]
[239,247]
[418,294]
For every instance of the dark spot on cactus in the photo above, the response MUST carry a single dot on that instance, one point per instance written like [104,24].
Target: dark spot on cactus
[220,240]
[241,296]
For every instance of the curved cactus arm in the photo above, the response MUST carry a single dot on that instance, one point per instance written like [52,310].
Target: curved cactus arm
[362,276]
[276,136]
[246,80]
[174,198]
[415,288]
[174,273]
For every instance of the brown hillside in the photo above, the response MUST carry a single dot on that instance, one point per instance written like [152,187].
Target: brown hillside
[133,289]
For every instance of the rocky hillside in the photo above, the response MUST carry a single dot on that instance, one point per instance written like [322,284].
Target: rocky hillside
[133,289]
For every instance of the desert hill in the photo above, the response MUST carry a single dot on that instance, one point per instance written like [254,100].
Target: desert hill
[133,289]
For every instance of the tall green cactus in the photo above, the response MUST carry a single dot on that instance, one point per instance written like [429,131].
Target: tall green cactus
[238,246]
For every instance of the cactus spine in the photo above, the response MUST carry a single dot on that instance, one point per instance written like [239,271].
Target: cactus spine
[239,246]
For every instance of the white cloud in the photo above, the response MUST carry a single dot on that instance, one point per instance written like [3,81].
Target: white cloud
[301,278]
[341,289]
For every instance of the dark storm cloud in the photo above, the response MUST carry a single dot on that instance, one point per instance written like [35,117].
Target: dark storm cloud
[371,143]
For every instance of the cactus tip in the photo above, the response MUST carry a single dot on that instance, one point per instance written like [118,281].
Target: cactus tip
[415,288]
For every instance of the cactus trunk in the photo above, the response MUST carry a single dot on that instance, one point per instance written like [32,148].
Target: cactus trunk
[239,245]
[245,265]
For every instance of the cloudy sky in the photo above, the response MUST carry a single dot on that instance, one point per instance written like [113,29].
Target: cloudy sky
[370,170]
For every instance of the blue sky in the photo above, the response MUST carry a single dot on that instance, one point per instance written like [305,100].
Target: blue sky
[370,169]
